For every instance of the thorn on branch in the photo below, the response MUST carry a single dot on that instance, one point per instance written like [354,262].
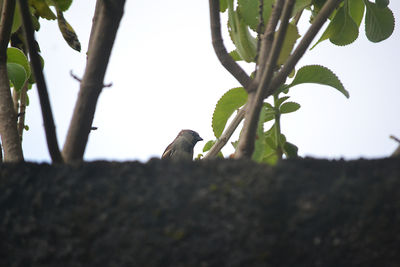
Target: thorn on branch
[74,76]
[80,80]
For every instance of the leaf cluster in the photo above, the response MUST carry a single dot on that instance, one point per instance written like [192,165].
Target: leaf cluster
[245,26]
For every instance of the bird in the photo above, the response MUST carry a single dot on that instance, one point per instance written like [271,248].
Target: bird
[182,146]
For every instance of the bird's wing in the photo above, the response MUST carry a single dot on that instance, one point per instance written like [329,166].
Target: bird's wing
[168,152]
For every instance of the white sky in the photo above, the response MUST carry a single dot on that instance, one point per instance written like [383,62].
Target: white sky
[166,77]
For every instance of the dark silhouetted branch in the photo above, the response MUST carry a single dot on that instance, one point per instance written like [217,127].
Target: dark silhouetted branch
[47,114]
[220,50]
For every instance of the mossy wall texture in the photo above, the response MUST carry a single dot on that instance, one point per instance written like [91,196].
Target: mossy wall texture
[302,212]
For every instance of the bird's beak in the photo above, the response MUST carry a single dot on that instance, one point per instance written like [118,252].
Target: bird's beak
[199,139]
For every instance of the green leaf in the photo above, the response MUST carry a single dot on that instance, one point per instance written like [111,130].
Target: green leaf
[249,9]
[63,5]
[227,104]
[289,107]
[16,20]
[14,55]
[259,146]
[379,22]
[342,30]
[382,3]
[16,74]
[300,5]
[320,75]
[223,5]
[246,44]
[42,9]
[291,37]
[290,150]
[208,145]
[26,127]
[281,100]
[356,10]
[235,55]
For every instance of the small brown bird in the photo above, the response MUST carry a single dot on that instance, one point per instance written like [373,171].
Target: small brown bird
[182,146]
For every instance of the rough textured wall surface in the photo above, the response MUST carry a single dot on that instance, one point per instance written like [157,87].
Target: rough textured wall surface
[302,212]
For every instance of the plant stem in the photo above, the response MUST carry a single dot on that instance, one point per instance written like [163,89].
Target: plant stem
[246,144]
[49,127]
[278,128]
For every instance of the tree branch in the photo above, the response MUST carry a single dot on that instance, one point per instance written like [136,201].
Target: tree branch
[247,139]
[267,38]
[220,50]
[301,48]
[8,117]
[22,108]
[47,114]
[106,22]
[226,135]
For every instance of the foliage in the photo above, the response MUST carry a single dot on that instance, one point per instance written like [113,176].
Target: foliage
[18,65]
[343,29]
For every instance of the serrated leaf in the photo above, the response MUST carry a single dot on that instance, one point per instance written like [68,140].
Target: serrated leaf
[15,55]
[291,37]
[281,100]
[16,74]
[289,107]
[227,104]
[42,9]
[249,9]
[246,44]
[379,22]
[235,55]
[342,30]
[320,75]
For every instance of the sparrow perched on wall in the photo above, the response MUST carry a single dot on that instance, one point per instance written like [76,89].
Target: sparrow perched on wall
[182,146]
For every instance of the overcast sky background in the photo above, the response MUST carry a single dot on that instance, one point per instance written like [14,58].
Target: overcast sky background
[166,77]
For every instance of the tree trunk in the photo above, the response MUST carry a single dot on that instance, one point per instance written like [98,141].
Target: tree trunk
[8,118]
[108,16]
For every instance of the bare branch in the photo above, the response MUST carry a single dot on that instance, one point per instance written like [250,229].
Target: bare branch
[106,22]
[247,139]
[226,135]
[267,38]
[220,50]
[8,117]
[22,108]
[305,42]
[47,114]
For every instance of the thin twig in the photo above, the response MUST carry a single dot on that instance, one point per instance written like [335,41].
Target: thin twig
[260,26]
[220,50]
[47,114]
[301,48]
[22,108]
[267,38]
[226,135]
[247,139]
